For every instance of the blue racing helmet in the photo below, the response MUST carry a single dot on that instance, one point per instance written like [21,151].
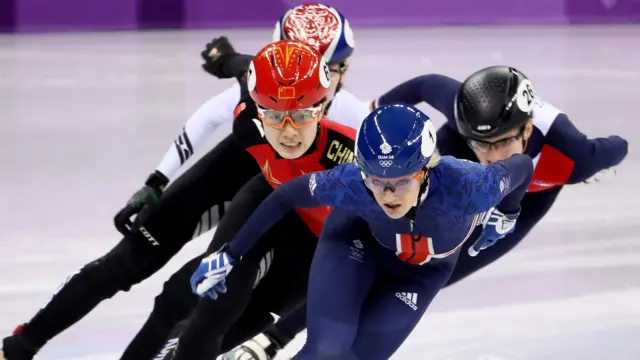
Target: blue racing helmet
[395,140]
[320,26]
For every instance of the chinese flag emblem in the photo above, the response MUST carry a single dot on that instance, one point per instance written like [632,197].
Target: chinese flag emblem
[286,92]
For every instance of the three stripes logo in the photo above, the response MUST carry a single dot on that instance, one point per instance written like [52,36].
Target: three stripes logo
[265,265]
[168,349]
[210,219]
[408,298]
[183,146]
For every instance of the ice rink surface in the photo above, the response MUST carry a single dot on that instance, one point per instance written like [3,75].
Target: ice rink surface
[84,118]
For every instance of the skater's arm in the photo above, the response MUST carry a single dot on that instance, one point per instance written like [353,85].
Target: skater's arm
[482,187]
[438,91]
[215,112]
[509,179]
[299,193]
[589,155]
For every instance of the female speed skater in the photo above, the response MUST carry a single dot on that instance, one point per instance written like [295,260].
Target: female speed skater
[400,218]
[280,124]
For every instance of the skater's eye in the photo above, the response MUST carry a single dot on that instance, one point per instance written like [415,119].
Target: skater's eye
[503,143]
[485,146]
[302,116]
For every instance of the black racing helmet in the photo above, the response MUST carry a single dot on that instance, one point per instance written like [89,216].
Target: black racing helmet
[492,102]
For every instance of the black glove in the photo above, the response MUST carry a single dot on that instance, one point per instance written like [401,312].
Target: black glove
[141,204]
[213,55]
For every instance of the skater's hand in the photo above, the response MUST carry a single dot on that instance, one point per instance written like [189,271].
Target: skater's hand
[209,279]
[214,54]
[140,204]
[601,176]
[496,225]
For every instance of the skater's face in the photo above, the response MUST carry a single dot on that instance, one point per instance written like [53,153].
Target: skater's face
[396,196]
[502,147]
[291,133]
[338,72]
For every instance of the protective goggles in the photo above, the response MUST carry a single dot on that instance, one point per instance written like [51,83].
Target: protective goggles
[398,186]
[486,146]
[297,118]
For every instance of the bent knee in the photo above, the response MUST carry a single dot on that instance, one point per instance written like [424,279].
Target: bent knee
[333,342]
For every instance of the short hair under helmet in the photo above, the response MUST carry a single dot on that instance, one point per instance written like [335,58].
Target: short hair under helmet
[493,101]
[395,140]
[288,75]
[320,26]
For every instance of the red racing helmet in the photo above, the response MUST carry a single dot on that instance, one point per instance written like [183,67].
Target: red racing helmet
[288,75]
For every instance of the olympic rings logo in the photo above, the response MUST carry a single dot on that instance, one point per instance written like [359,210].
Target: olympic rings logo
[385,163]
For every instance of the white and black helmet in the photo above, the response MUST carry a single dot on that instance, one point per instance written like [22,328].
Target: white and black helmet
[493,101]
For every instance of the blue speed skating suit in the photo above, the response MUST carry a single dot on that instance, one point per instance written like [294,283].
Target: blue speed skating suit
[373,277]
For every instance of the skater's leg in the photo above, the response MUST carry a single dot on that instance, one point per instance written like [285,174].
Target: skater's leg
[266,345]
[401,295]
[171,307]
[342,273]
[130,262]
[135,258]
[289,326]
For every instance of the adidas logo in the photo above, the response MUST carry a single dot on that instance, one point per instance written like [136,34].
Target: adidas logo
[410,299]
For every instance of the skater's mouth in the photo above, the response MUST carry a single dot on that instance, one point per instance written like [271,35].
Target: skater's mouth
[392,207]
[291,145]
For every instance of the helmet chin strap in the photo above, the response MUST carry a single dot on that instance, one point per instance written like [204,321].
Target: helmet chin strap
[525,143]
[424,188]
[422,195]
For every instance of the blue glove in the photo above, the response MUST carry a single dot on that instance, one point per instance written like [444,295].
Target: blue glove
[209,279]
[496,225]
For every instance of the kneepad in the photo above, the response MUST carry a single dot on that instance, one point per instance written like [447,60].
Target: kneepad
[329,347]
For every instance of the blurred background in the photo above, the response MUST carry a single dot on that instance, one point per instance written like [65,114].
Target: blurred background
[93,92]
